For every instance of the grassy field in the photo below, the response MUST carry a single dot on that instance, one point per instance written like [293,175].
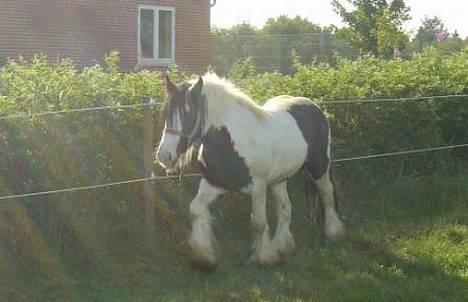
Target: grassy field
[407,240]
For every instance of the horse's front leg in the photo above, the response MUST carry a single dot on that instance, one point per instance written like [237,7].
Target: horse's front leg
[264,252]
[202,241]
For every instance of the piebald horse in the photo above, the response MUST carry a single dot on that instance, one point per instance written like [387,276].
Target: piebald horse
[247,148]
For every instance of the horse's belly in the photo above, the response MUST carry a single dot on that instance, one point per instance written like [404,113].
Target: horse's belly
[288,159]
[271,151]
[287,150]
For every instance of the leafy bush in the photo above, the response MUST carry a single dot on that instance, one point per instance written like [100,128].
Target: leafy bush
[362,128]
[35,85]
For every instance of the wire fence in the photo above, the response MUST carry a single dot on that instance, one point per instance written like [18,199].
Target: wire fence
[399,153]
[77,110]
[169,177]
[394,100]
[153,103]
[274,51]
[98,186]
[307,34]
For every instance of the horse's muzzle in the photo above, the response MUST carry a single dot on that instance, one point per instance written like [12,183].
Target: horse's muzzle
[166,159]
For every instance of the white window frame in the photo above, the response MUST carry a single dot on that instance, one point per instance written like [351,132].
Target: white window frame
[156,61]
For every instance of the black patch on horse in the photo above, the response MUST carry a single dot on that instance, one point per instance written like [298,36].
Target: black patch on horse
[223,167]
[314,127]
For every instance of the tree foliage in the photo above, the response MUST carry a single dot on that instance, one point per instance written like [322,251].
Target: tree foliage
[286,25]
[374,26]
[271,47]
[427,35]
[427,32]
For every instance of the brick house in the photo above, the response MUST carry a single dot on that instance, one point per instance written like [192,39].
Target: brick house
[147,33]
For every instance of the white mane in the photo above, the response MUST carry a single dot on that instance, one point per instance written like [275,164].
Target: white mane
[220,92]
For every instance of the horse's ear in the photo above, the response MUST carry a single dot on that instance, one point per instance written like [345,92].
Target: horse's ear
[197,88]
[170,87]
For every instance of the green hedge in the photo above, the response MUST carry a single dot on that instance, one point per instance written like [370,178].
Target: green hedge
[380,127]
[36,85]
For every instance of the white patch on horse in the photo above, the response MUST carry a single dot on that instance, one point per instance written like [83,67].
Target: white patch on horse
[200,157]
[186,104]
[167,150]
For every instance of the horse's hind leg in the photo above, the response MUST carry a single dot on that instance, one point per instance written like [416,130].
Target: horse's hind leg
[283,240]
[314,209]
[202,241]
[334,227]
[264,250]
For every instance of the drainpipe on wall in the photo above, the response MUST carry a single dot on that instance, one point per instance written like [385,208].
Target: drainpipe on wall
[213,3]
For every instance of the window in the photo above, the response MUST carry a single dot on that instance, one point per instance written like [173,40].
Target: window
[156,35]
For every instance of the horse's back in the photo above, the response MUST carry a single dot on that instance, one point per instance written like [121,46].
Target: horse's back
[313,126]
[282,102]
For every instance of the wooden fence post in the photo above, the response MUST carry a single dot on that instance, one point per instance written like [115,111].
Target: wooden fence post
[148,192]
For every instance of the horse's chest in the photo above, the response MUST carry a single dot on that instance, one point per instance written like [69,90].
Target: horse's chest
[221,165]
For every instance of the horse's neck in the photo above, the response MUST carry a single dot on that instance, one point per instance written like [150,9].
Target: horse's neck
[228,113]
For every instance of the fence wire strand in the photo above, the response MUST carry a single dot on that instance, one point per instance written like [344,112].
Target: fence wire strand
[169,177]
[398,153]
[99,186]
[390,100]
[152,103]
[65,111]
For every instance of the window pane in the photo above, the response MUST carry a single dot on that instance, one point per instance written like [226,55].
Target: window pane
[165,34]
[147,33]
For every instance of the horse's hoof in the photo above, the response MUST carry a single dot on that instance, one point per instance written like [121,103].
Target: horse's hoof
[335,231]
[203,260]
[286,247]
[204,265]
[272,259]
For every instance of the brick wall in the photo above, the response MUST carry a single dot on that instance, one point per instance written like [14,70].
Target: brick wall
[85,30]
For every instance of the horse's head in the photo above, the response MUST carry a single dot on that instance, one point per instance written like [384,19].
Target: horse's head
[183,120]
